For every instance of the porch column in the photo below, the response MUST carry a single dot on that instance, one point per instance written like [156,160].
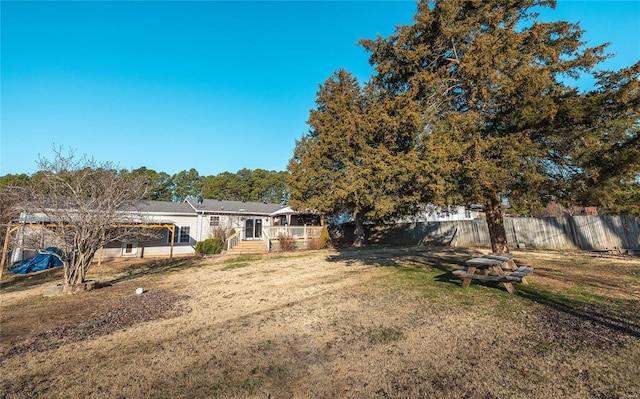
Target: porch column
[5,247]
[172,229]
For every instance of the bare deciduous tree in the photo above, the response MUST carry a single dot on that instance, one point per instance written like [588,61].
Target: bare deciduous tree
[89,204]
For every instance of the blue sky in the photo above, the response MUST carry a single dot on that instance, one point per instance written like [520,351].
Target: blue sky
[211,85]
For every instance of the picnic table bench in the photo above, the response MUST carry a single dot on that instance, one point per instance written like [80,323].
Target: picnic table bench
[501,268]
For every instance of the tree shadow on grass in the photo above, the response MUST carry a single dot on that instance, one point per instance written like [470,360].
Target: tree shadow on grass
[154,267]
[383,256]
[19,282]
[621,316]
[409,259]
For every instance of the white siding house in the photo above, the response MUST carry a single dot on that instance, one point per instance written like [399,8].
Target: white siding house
[195,220]
[177,213]
[247,218]
[192,221]
[432,213]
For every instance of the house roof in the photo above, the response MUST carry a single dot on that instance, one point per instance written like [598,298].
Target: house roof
[224,206]
[124,220]
[285,211]
[193,207]
[31,219]
[290,211]
[129,211]
[160,207]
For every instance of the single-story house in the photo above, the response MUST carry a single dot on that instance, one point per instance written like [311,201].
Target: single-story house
[187,222]
[432,213]
[197,220]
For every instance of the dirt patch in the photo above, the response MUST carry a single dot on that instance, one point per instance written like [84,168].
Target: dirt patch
[120,313]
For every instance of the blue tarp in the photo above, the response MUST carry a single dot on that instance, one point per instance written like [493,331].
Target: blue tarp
[46,259]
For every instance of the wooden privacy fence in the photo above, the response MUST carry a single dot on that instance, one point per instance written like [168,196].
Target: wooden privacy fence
[558,233]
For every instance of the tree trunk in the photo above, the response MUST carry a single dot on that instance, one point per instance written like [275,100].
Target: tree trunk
[495,223]
[73,275]
[360,237]
[75,269]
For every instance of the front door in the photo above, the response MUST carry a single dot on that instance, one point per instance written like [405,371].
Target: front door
[253,229]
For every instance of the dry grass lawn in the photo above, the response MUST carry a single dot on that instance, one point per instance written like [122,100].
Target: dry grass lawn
[356,323]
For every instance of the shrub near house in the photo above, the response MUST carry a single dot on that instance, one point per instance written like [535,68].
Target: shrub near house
[209,246]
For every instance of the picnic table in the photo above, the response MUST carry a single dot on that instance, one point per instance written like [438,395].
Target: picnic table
[492,267]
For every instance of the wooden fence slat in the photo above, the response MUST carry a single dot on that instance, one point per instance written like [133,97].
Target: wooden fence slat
[557,233]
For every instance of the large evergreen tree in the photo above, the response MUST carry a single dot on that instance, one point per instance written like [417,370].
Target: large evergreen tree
[359,157]
[490,80]
[603,134]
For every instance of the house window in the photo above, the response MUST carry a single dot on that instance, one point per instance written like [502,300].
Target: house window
[181,234]
[129,249]
[214,221]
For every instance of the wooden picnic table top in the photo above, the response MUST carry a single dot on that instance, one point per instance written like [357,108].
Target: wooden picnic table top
[499,257]
[485,262]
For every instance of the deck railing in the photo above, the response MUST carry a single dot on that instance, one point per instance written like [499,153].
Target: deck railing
[270,233]
[266,238]
[233,240]
[295,232]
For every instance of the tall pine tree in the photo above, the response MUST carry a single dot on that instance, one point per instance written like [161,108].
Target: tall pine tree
[488,76]
[603,133]
[359,157]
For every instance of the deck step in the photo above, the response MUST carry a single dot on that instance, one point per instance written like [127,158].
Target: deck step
[248,247]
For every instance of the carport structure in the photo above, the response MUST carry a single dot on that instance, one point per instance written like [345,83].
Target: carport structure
[42,222]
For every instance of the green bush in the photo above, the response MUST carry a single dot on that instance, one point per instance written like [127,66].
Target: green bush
[325,238]
[209,246]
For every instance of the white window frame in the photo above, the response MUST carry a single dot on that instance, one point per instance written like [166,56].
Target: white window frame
[214,221]
[134,249]
[181,235]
